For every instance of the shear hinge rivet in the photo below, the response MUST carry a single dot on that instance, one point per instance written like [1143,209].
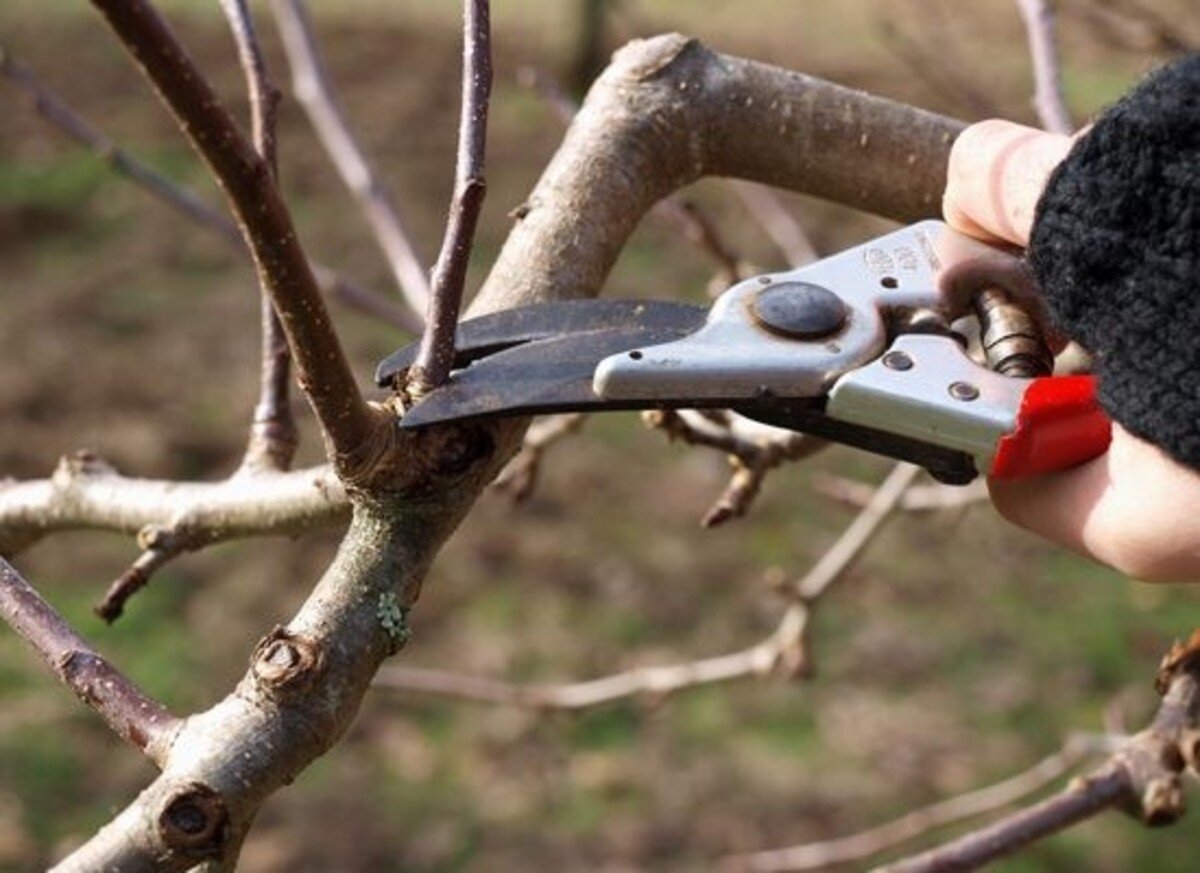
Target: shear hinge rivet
[963,391]
[897,361]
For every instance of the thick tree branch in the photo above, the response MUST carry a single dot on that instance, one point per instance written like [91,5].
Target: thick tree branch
[349,424]
[304,686]
[313,89]
[85,492]
[669,111]
[436,355]
[139,720]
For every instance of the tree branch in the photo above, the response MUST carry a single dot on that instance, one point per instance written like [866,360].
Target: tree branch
[273,436]
[1048,99]
[141,721]
[785,650]
[306,680]
[313,89]
[85,492]
[436,355]
[764,207]
[876,840]
[52,108]
[1142,777]
[669,111]
[349,424]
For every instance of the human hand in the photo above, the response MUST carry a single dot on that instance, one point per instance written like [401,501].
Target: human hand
[1133,508]
[996,174]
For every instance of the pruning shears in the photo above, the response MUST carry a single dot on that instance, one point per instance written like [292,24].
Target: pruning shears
[867,347]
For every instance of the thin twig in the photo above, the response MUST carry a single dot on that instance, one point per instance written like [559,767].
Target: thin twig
[784,651]
[314,90]
[160,546]
[860,532]
[520,476]
[1048,99]
[273,435]
[54,110]
[138,719]
[934,70]
[348,422]
[436,355]
[1142,777]
[919,822]
[765,207]
[918,498]
[752,456]
[701,231]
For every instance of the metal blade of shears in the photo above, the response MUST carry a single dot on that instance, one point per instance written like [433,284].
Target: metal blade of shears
[534,375]
[490,334]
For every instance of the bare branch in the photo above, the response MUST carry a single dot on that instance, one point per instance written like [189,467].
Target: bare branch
[306,680]
[667,112]
[876,840]
[520,476]
[764,206]
[436,355]
[752,455]
[139,720]
[273,435]
[860,532]
[654,683]
[785,650]
[52,108]
[160,546]
[918,498]
[313,89]
[701,231]
[85,492]
[1142,777]
[684,215]
[1048,98]
[349,423]
[188,203]
[934,70]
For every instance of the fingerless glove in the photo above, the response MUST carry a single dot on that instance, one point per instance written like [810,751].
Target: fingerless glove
[1116,248]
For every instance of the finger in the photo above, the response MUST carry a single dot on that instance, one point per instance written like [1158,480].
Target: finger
[996,174]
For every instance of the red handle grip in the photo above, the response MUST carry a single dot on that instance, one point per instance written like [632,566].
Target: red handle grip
[1059,425]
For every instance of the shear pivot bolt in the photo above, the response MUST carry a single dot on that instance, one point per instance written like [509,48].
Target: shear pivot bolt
[799,310]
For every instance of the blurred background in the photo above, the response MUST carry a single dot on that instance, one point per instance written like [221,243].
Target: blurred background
[957,652]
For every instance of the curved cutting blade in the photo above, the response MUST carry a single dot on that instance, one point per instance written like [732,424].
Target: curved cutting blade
[551,375]
[490,334]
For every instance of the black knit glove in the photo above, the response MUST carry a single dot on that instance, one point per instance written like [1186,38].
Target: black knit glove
[1116,248]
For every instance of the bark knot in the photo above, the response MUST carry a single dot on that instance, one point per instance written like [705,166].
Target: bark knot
[286,662]
[194,822]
